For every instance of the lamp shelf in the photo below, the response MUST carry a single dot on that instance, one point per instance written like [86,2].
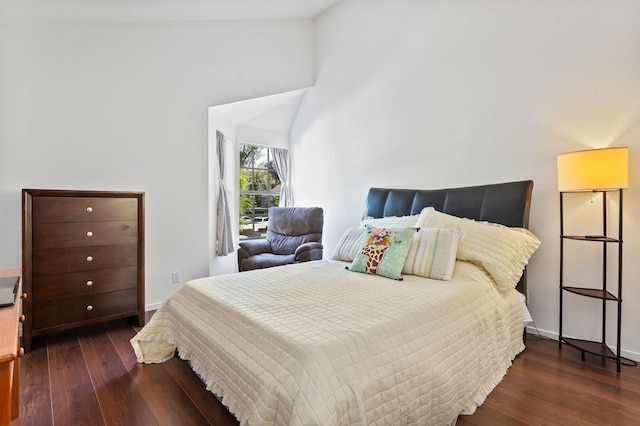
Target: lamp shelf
[592,292]
[596,348]
[601,293]
[599,238]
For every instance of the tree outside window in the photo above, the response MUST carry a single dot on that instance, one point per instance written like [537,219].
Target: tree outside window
[259,190]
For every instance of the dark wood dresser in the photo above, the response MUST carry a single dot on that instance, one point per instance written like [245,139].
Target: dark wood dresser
[82,258]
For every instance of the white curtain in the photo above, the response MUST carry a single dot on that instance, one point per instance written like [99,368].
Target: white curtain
[281,163]
[224,239]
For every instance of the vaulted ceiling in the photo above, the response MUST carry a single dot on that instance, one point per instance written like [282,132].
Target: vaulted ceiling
[159,10]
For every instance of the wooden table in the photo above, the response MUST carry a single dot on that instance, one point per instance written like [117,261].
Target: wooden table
[10,352]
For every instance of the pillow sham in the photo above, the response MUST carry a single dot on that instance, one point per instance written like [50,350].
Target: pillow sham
[502,251]
[349,244]
[391,221]
[432,253]
[383,251]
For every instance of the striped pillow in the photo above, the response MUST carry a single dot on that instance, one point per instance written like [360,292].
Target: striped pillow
[433,253]
[349,244]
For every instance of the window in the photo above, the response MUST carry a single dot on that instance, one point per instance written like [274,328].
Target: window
[259,190]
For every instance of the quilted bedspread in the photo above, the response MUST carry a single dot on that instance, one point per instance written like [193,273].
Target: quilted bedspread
[315,344]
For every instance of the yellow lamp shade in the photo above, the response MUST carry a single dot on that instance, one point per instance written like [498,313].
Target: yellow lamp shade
[593,170]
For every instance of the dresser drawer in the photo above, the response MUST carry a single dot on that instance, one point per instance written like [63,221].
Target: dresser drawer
[59,235]
[84,309]
[76,259]
[64,286]
[83,209]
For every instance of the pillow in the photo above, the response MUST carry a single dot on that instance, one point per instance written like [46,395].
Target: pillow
[383,251]
[349,244]
[502,251]
[391,221]
[433,253]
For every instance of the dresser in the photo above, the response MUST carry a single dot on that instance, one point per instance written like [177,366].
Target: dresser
[82,257]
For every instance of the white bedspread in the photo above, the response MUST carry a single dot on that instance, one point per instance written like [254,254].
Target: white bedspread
[315,344]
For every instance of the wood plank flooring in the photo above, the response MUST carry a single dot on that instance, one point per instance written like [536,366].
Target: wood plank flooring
[90,377]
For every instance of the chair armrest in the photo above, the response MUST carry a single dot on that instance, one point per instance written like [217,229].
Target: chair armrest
[308,251]
[257,246]
[250,248]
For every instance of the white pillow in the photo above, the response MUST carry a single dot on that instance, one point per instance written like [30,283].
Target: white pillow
[502,251]
[349,244]
[391,221]
[433,253]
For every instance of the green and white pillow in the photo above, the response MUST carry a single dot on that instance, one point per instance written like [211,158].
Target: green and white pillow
[433,253]
[383,251]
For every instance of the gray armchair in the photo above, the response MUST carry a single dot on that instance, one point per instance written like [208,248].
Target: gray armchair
[294,235]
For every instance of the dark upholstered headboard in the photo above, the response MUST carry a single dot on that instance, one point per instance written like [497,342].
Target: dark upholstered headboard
[504,203]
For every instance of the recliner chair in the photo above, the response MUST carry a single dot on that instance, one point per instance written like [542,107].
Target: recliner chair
[294,235]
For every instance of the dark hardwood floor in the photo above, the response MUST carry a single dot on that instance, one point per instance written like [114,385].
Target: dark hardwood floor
[90,377]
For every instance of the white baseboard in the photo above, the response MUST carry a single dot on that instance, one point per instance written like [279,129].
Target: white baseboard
[532,329]
[153,306]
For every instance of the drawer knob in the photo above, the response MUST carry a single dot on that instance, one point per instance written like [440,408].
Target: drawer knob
[20,352]
[21,318]
[89,283]
[89,258]
[89,308]
[89,234]
[89,209]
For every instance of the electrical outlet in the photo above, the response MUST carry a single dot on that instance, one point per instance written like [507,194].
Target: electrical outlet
[175,277]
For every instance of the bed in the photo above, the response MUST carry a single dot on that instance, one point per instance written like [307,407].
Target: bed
[318,344]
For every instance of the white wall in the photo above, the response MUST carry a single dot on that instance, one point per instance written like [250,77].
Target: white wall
[123,106]
[430,94]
